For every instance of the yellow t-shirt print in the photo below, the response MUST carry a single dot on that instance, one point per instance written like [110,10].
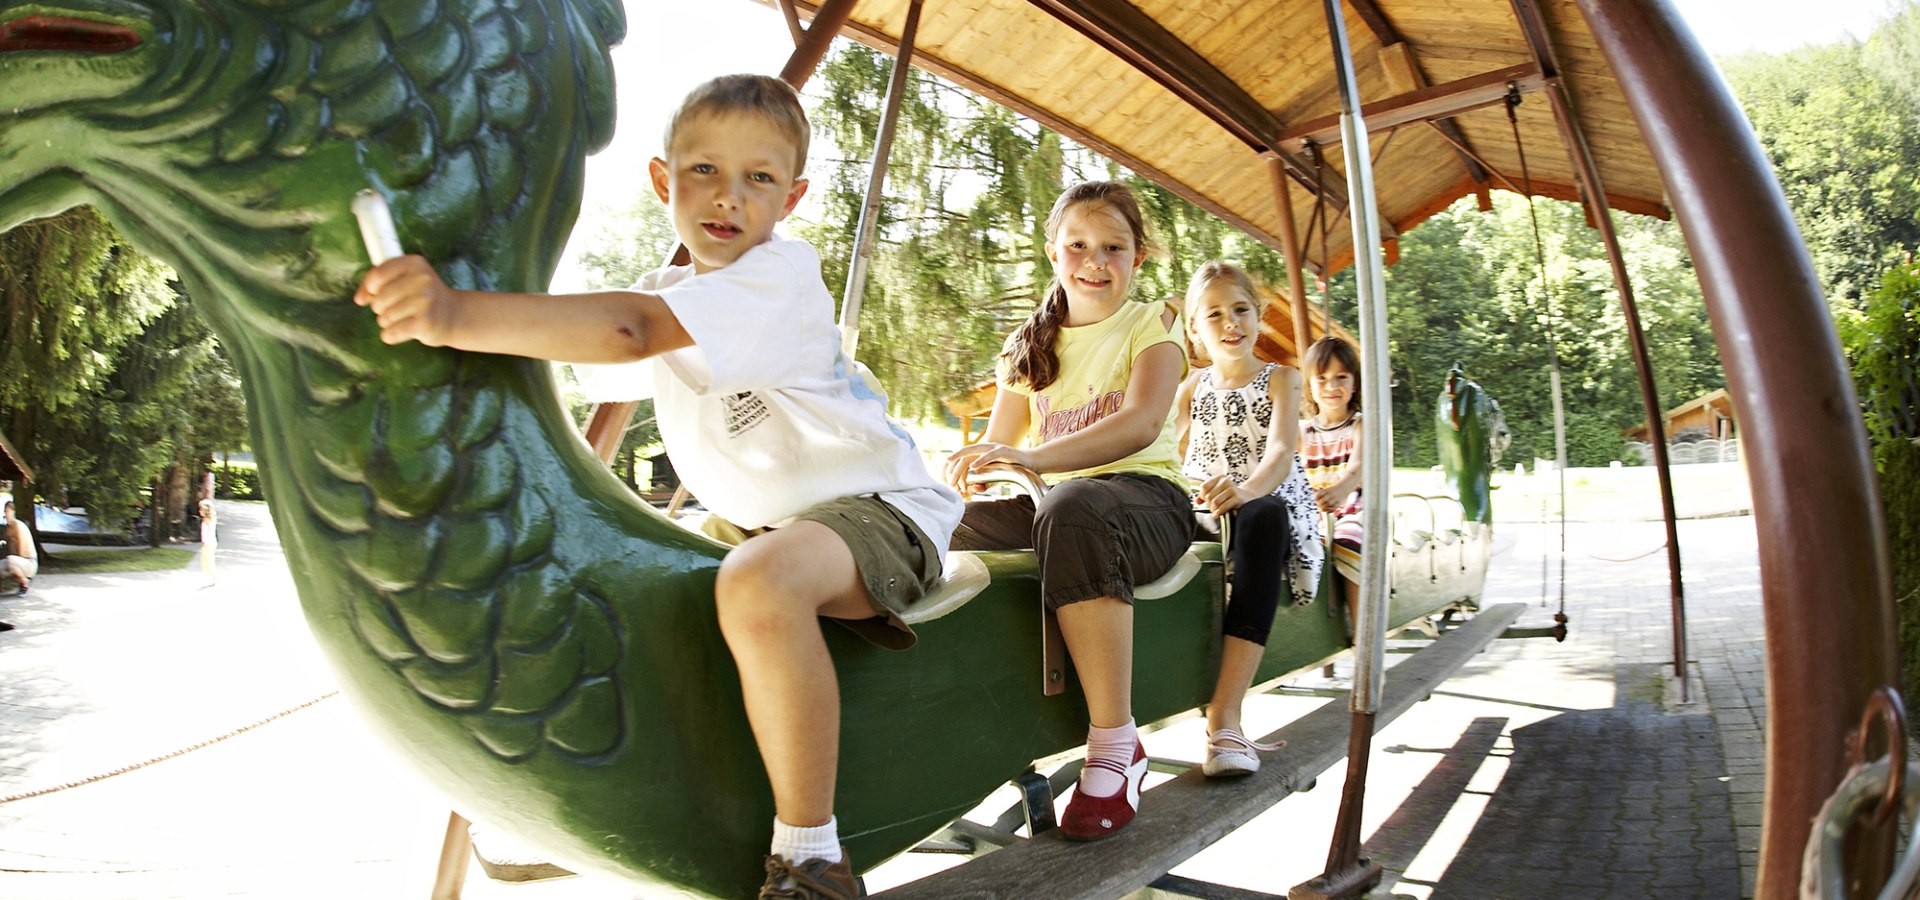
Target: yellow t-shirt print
[1096,362]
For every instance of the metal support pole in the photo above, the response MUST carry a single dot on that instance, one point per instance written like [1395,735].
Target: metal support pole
[1826,584]
[608,422]
[792,15]
[456,856]
[826,24]
[1296,260]
[1347,875]
[1594,194]
[876,188]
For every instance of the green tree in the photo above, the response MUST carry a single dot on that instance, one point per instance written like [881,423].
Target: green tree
[620,245]
[74,298]
[1841,129]
[1882,339]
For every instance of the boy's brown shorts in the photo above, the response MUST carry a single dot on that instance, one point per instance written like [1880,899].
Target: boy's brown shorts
[891,553]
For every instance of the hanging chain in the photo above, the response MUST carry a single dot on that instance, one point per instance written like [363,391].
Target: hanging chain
[1553,340]
[1320,213]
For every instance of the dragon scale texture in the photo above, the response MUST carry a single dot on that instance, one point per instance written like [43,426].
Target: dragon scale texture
[455,546]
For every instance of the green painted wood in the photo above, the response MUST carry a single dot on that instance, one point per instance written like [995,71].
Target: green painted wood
[506,614]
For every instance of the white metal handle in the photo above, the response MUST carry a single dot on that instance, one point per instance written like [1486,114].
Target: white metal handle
[376,226]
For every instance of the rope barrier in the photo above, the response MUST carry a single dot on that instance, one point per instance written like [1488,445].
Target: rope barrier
[41,792]
[1626,559]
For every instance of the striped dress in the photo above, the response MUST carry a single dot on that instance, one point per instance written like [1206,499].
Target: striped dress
[1326,453]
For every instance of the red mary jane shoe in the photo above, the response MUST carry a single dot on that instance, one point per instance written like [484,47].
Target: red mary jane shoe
[1092,818]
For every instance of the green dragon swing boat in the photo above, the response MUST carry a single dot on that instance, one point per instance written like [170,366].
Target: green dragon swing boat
[541,644]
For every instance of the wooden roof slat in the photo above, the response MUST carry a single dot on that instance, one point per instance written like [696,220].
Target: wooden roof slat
[1438,101]
[1193,96]
[12,467]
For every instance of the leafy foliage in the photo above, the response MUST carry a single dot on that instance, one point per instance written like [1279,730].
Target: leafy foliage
[108,377]
[1882,338]
[1842,129]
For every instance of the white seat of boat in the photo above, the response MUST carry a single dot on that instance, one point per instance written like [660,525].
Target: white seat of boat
[966,576]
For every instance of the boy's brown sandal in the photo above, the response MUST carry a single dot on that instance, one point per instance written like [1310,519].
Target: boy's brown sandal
[815,879]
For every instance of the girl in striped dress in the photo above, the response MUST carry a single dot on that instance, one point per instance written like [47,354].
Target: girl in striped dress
[1330,450]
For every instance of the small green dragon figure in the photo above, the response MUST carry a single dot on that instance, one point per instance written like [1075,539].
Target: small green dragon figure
[1472,434]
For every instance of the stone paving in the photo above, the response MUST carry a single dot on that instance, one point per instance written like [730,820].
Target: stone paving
[1661,798]
[1543,770]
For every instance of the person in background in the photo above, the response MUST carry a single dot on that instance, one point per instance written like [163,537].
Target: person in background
[23,560]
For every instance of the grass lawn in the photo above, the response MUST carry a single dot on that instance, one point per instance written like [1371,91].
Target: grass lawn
[144,559]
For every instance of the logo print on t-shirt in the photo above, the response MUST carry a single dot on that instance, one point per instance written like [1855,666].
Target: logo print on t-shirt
[744,410]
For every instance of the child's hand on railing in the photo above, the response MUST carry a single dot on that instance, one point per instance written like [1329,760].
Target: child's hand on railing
[1220,495]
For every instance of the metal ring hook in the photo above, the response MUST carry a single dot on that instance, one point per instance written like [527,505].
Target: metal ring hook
[1883,705]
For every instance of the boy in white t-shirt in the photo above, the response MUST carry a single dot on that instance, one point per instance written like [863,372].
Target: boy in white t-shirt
[767,423]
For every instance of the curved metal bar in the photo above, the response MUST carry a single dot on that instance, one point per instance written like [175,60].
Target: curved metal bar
[1826,583]
[1007,473]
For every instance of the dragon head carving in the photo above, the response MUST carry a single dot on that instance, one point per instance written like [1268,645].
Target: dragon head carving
[227,136]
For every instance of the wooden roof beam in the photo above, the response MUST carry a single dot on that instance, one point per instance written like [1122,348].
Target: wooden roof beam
[1440,101]
[1376,21]
[1144,44]
[1404,75]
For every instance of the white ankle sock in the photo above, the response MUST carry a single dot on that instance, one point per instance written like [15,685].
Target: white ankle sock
[799,844]
[1111,744]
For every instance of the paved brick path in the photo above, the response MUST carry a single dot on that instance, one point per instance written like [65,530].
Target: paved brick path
[1543,770]
[1642,797]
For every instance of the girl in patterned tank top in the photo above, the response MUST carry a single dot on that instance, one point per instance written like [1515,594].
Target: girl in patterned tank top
[1240,420]
[1330,449]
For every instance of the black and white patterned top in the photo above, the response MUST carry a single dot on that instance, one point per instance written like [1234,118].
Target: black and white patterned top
[1227,434]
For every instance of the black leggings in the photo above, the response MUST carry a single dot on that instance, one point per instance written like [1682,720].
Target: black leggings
[1262,542]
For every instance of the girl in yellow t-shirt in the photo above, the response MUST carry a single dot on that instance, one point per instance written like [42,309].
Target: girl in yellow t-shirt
[1086,385]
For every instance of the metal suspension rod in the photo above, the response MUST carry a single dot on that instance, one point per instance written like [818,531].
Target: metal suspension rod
[1375,400]
[876,188]
[1593,195]
[1553,344]
[1346,875]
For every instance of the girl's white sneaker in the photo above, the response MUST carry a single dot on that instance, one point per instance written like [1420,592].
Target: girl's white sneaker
[1230,754]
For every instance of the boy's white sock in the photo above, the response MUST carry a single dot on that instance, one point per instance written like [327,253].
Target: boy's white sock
[798,844]
[1114,745]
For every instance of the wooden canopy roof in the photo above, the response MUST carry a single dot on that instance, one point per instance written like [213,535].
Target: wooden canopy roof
[1199,97]
[12,468]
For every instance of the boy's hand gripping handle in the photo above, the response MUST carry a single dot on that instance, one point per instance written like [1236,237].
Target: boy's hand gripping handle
[376,226]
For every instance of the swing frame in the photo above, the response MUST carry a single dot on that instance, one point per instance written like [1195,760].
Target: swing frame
[1826,581]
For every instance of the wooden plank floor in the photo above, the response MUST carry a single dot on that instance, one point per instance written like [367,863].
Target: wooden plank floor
[1180,818]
